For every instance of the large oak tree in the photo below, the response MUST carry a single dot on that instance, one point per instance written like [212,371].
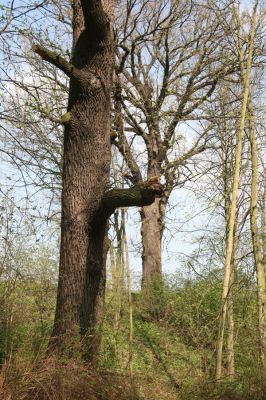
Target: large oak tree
[167,75]
[86,201]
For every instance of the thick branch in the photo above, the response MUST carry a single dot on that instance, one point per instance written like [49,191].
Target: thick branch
[69,69]
[56,60]
[137,196]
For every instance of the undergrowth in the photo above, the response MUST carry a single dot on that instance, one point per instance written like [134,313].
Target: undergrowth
[172,355]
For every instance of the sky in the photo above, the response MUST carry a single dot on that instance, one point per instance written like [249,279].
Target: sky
[180,232]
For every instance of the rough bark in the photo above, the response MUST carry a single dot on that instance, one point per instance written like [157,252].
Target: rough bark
[85,178]
[86,203]
[151,232]
[152,222]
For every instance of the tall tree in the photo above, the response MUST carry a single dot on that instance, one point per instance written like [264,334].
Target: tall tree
[164,79]
[226,128]
[246,73]
[86,201]
[166,74]
[256,239]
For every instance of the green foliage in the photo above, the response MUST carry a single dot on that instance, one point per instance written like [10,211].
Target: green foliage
[27,303]
[26,319]
[247,387]
[52,379]
[173,351]
[175,330]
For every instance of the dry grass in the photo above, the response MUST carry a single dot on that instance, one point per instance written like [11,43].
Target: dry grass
[52,379]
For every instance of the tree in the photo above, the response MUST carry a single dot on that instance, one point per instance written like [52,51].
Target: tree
[225,129]
[166,75]
[256,240]
[246,74]
[86,201]
[147,109]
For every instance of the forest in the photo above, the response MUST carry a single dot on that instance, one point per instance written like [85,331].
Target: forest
[132,200]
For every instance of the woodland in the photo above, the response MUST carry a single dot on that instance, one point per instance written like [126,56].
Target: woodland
[132,200]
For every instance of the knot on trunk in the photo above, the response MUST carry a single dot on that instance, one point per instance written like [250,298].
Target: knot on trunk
[155,186]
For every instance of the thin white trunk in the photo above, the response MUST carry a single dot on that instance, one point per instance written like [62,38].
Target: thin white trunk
[232,215]
[256,240]
[231,323]
[263,221]
[131,324]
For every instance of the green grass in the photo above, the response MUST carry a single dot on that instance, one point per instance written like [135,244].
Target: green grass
[173,351]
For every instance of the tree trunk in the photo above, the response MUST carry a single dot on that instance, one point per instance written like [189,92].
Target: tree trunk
[256,240]
[118,279]
[227,183]
[151,232]
[231,225]
[86,205]
[86,168]
[230,340]
[130,303]
[263,221]
[231,323]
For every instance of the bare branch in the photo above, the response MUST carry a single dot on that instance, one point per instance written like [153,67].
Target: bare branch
[56,60]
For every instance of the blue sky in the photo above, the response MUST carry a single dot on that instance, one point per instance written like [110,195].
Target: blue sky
[180,229]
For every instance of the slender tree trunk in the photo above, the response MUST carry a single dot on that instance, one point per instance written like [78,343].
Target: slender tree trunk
[119,271]
[227,181]
[112,266]
[263,220]
[256,240]
[231,323]
[230,340]
[231,225]
[130,303]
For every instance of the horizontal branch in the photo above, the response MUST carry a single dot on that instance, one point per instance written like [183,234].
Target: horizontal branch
[137,196]
[69,69]
[56,60]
